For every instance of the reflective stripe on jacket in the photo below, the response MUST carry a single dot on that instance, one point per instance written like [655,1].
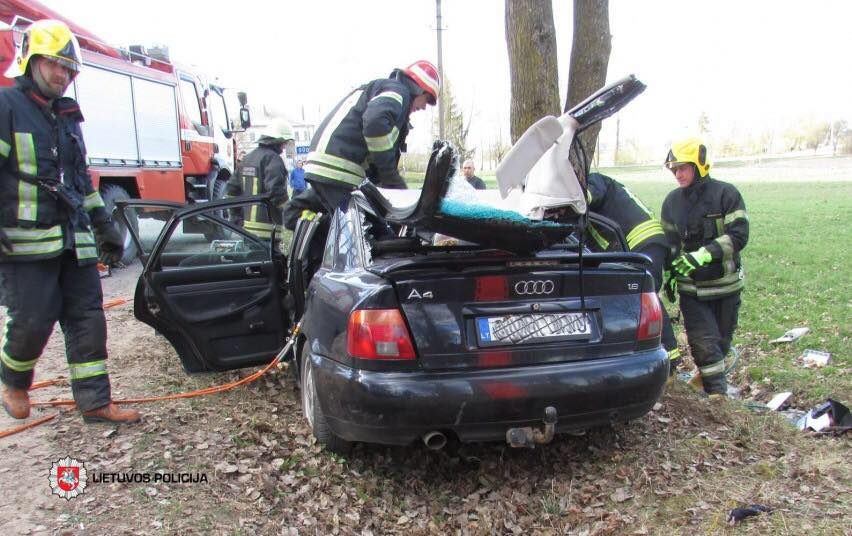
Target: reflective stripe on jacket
[615,201]
[262,171]
[362,137]
[41,142]
[711,214]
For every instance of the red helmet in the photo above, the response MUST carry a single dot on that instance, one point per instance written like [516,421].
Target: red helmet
[426,76]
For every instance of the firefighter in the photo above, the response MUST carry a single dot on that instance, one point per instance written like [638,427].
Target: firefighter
[706,225]
[365,133]
[263,171]
[51,220]
[644,234]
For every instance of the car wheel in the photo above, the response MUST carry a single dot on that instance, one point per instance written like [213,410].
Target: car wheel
[111,193]
[313,412]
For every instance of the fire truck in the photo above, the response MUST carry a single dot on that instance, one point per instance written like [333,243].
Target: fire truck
[153,129]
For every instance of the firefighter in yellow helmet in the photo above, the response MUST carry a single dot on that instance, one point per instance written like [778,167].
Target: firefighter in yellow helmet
[706,225]
[52,225]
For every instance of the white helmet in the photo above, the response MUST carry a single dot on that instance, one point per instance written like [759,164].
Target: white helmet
[275,133]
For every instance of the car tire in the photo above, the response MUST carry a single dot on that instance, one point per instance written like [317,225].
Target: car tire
[313,413]
[111,193]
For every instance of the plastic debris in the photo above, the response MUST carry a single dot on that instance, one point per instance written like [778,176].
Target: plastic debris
[830,416]
[815,358]
[791,335]
[738,514]
[779,400]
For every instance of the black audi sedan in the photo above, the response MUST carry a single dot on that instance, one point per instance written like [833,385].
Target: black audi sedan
[509,331]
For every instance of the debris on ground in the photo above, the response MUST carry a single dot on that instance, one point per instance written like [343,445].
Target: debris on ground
[830,416]
[791,335]
[778,401]
[814,358]
[738,514]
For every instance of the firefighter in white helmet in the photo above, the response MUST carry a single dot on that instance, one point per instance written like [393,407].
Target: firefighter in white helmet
[52,224]
[263,171]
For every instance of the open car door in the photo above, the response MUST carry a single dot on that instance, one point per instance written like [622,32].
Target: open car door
[217,296]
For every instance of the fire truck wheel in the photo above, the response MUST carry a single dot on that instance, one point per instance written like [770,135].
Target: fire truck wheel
[110,194]
[217,232]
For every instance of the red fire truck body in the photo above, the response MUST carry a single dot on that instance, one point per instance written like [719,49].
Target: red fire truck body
[153,129]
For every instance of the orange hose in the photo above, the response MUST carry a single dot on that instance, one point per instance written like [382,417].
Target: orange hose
[47,383]
[116,302]
[190,394]
[22,427]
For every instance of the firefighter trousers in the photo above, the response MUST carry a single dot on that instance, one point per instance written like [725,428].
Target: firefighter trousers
[710,328]
[657,253]
[36,295]
[333,196]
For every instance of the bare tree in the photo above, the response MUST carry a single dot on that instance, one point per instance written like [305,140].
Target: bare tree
[531,40]
[456,124]
[589,59]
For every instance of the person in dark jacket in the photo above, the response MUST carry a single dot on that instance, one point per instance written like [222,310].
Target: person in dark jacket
[263,171]
[706,224]
[468,170]
[643,233]
[365,133]
[52,223]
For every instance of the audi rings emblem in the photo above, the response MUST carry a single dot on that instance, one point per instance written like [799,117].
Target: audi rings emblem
[535,288]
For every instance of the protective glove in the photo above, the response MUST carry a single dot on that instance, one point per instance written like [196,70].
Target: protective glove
[6,246]
[110,242]
[688,262]
[307,215]
[670,286]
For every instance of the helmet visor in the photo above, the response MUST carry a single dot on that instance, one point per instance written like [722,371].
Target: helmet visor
[72,66]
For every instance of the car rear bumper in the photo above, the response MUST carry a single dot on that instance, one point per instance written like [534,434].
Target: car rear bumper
[397,408]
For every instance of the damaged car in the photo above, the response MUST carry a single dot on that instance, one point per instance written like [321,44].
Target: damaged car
[429,315]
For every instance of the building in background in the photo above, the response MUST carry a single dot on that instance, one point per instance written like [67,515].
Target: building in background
[261,117]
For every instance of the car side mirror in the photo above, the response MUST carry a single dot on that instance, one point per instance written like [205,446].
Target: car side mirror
[245,117]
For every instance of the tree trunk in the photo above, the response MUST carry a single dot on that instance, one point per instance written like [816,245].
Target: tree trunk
[531,40]
[589,59]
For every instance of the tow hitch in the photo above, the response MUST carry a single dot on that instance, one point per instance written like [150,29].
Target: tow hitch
[529,436]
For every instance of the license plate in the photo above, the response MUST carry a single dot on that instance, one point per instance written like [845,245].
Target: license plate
[515,329]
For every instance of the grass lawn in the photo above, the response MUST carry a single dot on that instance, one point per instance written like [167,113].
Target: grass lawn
[796,263]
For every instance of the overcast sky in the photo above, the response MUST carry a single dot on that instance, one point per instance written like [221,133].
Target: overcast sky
[745,63]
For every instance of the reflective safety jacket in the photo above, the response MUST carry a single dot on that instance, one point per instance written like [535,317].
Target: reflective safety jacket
[615,201]
[363,137]
[711,214]
[47,202]
[261,171]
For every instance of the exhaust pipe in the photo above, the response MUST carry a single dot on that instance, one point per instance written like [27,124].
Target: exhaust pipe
[435,440]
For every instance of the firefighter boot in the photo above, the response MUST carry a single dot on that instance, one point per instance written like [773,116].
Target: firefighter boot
[716,386]
[16,402]
[111,413]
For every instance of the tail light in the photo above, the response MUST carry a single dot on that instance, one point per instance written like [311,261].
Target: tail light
[650,317]
[379,334]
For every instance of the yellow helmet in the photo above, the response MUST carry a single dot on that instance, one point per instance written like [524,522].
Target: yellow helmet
[689,151]
[51,38]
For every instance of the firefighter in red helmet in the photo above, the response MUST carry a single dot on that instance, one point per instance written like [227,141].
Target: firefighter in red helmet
[364,135]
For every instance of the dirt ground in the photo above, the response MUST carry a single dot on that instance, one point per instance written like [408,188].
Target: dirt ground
[678,470]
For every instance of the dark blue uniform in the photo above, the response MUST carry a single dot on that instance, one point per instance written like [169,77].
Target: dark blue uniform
[362,137]
[47,208]
[709,214]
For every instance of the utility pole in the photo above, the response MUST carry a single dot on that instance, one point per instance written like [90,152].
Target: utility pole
[440,72]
